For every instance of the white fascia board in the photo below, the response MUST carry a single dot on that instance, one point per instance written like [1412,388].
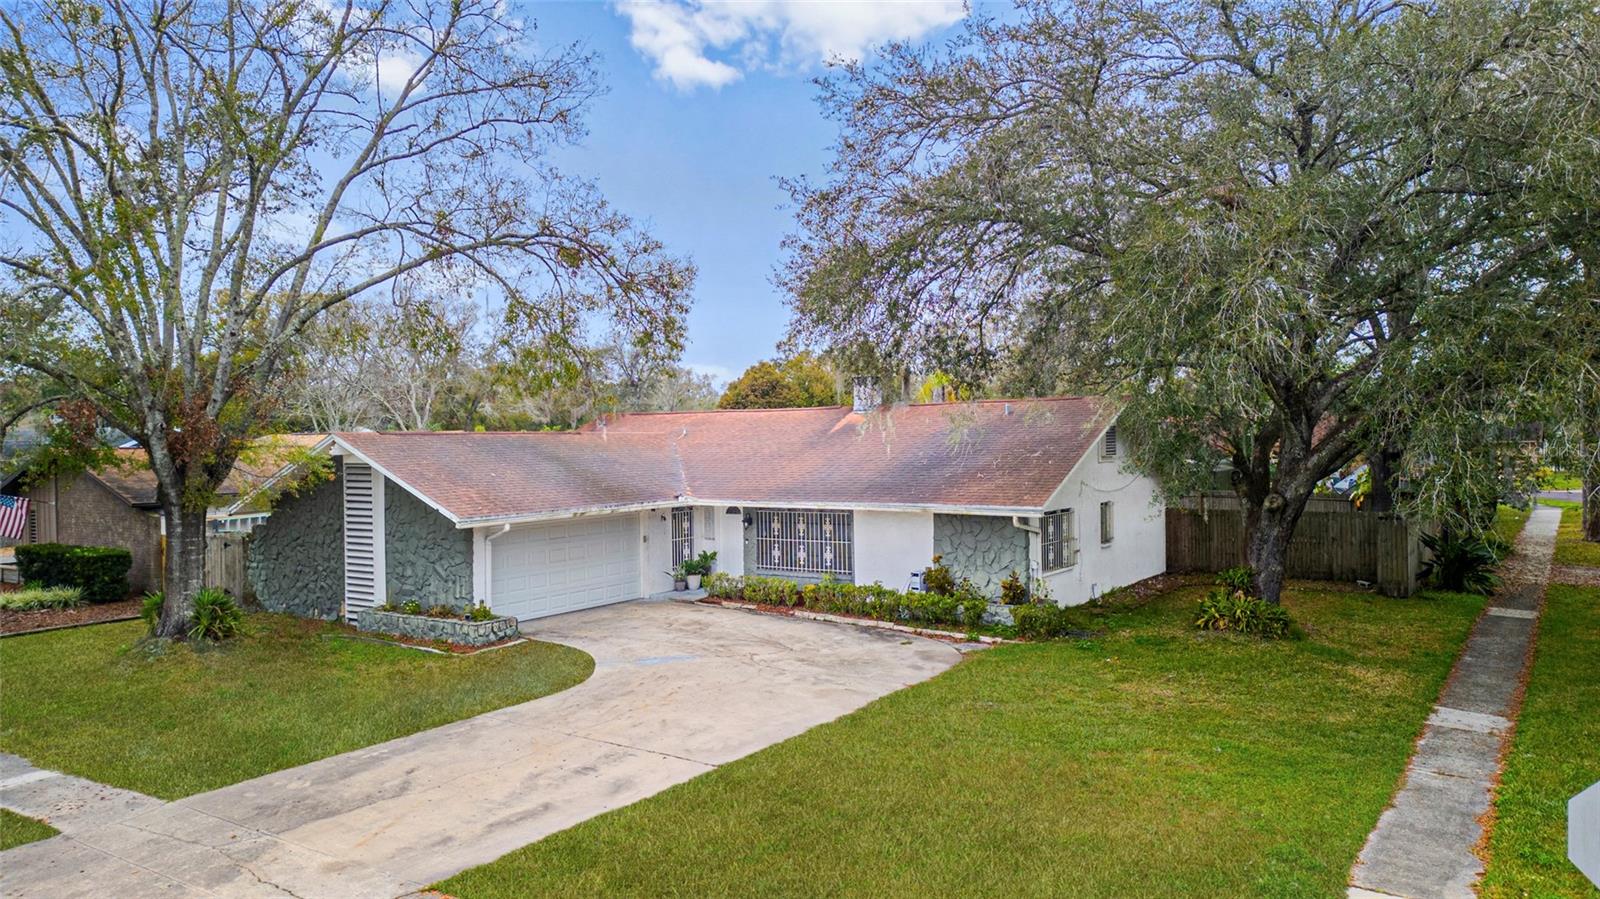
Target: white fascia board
[559,514]
[341,448]
[577,512]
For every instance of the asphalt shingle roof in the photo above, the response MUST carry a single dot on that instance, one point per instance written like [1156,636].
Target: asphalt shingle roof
[993,454]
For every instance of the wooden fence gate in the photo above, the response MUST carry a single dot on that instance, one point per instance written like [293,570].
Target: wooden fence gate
[226,555]
[1328,545]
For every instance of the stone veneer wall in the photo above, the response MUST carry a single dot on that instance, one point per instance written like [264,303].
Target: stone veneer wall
[426,558]
[296,559]
[983,548]
[450,630]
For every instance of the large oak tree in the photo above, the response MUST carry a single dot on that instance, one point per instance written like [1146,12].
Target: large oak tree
[1280,230]
[186,185]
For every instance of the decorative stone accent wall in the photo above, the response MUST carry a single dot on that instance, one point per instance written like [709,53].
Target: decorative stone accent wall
[982,548]
[450,630]
[296,560]
[426,558]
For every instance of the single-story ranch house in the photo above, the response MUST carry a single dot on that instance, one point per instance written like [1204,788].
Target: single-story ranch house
[538,523]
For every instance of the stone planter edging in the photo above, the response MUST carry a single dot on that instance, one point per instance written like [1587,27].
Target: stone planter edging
[450,630]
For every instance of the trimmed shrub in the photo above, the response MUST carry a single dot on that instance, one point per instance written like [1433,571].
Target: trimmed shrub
[1461,564]
[1042,621]
[100,572]
[936,578]
[1233,610]
[216,617]
[771,591]
[30,599]
[964,607]
[1013,592]
[722,585]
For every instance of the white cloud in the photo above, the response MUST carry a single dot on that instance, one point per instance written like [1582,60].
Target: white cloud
[683,37]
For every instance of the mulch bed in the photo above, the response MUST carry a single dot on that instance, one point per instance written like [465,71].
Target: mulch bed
[15,622]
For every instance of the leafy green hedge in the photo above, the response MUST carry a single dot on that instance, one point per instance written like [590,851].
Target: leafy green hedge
[964,608]
[100,572]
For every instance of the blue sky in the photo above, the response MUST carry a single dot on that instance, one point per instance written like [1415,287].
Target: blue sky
[707,106]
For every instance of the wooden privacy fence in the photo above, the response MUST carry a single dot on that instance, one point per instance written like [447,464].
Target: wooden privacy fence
[1328,545]
[226,555]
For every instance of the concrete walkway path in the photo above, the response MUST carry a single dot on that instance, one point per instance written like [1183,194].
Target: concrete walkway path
[1423,845]
[678,689]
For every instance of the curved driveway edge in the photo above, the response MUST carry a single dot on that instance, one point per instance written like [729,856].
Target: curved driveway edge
[677,689]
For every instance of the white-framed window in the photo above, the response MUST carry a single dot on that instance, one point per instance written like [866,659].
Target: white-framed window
[805,541]
[682,535]
[1058,541]
[708,524]
[1108,444]
[1107,522]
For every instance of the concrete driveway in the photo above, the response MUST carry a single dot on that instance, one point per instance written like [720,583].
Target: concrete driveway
[677,690]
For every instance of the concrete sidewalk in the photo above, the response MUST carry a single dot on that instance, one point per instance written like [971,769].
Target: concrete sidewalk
[1423,845]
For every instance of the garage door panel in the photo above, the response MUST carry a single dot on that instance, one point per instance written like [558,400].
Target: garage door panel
[564,566]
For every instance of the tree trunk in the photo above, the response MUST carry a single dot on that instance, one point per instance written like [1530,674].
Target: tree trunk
[1270,528]
[185,569]
[1381,464]
[1591,506]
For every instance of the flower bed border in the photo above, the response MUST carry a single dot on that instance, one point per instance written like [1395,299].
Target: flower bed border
[459,631]
[796,612]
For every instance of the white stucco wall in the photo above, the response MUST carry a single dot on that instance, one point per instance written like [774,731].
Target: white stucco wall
[728,542]
[1139,546]
[891,545]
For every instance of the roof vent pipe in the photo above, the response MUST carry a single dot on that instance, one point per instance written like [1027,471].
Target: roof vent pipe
[864,395]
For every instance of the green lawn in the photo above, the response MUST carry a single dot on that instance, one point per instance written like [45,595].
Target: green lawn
[1508,522]
[16,829]
[1554,754]
[1560,480]
[1571,548]
[1153,761]
[90,702]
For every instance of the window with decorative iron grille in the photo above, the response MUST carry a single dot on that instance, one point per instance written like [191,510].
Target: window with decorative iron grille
[804,542]
[682,535]
[1058,541]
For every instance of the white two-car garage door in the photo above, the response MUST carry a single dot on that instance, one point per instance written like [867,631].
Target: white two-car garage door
[551,568]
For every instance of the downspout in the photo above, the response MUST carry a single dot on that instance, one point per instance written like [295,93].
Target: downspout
[1017,522]
[488,564]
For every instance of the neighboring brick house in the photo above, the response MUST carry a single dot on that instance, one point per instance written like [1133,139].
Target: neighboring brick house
[117,506]
[92,509]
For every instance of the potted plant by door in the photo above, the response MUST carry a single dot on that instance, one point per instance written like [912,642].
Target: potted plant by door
[698,567]
[680,577]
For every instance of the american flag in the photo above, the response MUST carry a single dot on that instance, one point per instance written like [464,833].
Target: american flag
[13,516]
